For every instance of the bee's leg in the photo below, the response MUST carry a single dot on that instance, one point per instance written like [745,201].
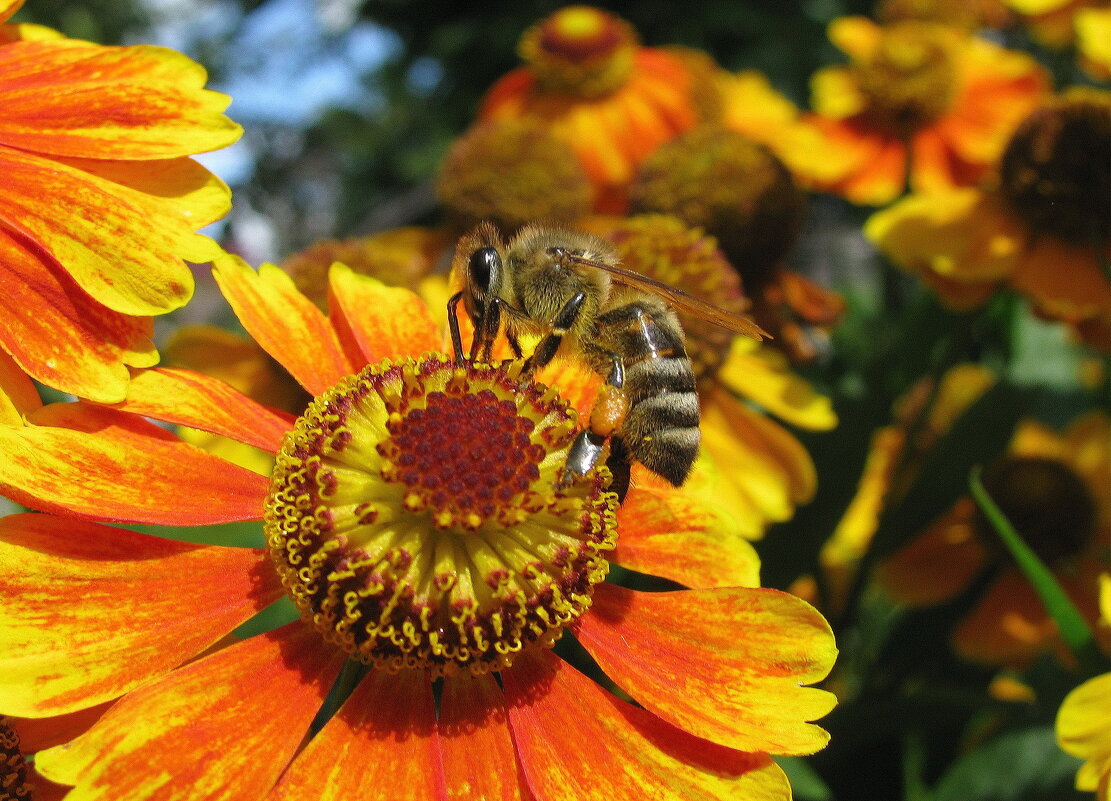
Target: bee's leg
[453,326]
[606,419]
[514,343]
[549,345]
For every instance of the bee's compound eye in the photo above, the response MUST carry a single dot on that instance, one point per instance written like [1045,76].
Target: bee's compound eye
[484,262]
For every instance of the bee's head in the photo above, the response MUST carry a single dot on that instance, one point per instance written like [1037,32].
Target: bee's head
[478,262]
[483,275]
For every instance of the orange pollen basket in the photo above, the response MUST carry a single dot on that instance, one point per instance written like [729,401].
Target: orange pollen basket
[417,520]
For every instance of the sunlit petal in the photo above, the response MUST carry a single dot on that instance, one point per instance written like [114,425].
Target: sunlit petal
[724,664]
[473,721]
[617,751]
[383,322]
[380,746]
[223,727]
[91,612]
[284,322]
[102,464]
[73,98]
[193,399]
[59,335]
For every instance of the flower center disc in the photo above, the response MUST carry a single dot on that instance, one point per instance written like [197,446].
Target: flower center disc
[1046,502]
[910,81]
[580,51]
[1056,170]
[416,519]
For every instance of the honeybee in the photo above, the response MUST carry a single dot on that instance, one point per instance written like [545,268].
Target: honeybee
[567,288]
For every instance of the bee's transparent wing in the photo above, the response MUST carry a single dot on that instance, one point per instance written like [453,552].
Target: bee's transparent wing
[680,300]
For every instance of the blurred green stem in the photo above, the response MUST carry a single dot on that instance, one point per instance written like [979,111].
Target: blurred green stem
[1072,625]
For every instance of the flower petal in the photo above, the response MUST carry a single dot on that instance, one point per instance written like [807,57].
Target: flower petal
[383,322]
[180,187]
[73,98]
[102,464]
[9,7]
[1065,282]
[223,727]
[855,36]
[473,721]
[578,741]
[120,246]
[762,375]
[724,664]
[938,564]
[90,612]
[61,336]
[385,730]
[1082,728]
[200,401]
[37,734]
[763,461]
[682,535]
[18,396]
[284,322]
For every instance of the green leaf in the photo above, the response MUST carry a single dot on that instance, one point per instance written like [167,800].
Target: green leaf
[806,784]
[1023,765]
[1072,625]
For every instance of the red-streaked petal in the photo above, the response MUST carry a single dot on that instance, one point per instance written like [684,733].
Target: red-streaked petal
[577,741]
[199,401]
[383,322]
[36,734]
[724,664]
[121,247]
[90,612]
[181,187]
[221,728]
[59,334]
[380,746]
[73,98]
[102,464]
[473,721]
[284,322]
[18,396]
[681,535]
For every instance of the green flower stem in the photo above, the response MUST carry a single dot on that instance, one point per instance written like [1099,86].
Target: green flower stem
[1072,625]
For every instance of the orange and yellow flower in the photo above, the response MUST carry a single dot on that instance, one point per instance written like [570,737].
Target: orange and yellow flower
[101,201]
[416,519]
[1082,722]
[1042,226]
[1053,488]
[919,105]
[611,100]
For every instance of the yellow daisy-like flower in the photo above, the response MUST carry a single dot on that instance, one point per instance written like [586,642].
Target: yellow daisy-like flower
[1043,227]
[1052,487]
[100,202]
[919,104]
[416,519]
[1083,727]
[591,83]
